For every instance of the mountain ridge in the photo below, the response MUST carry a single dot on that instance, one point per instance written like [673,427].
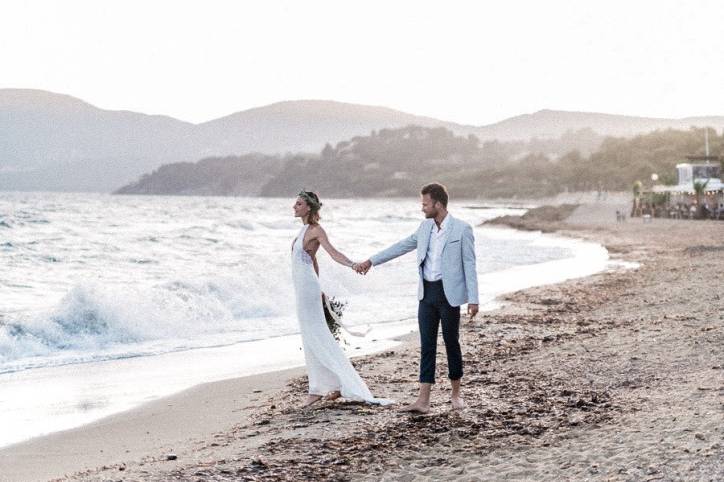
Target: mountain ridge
[53,141]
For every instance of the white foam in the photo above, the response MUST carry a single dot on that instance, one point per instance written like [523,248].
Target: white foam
[99,321]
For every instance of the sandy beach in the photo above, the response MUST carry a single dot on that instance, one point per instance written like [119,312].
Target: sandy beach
[617,376]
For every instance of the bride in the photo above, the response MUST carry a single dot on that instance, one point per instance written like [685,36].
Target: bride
[330,373]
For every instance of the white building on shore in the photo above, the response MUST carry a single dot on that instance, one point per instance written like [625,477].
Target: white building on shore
[699,169]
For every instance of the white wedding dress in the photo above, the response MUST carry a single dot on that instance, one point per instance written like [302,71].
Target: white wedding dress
[327,365]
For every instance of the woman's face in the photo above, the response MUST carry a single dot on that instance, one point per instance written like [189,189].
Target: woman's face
[301,208]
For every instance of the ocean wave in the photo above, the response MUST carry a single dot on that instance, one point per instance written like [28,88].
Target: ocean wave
[143,261]
[285,225]
[240,224]
[93,320]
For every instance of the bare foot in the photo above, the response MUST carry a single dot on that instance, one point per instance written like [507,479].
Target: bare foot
[333,395]
[417,407]
[311,399]
[457,403]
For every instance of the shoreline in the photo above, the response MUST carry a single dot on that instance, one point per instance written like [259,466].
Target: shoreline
[16,459]
[530,322]
[105,389]
[177,404]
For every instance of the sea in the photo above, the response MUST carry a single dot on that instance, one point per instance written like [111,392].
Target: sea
[108,302]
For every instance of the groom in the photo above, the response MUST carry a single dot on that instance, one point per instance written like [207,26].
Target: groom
[446,265]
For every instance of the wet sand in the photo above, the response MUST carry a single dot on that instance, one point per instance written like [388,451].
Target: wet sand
[618,376]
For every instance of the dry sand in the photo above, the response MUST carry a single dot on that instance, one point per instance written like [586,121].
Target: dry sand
[617,376]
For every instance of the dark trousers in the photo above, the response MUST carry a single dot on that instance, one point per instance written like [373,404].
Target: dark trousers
[433,309]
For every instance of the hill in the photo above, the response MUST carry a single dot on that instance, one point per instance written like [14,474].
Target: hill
[57,142]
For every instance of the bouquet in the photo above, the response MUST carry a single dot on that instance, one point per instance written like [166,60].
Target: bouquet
[333,309]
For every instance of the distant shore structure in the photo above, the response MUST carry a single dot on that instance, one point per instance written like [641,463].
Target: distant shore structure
[698,193]
[700,169]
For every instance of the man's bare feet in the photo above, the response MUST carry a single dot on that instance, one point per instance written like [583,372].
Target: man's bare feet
[311,399]
[332,395]
[416,407]
[457,403]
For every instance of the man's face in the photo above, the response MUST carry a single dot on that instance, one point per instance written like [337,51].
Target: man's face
[429,207]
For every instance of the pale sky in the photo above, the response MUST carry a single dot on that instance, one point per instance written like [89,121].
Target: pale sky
[472,62]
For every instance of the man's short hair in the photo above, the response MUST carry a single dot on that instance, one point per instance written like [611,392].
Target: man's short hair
[437,192]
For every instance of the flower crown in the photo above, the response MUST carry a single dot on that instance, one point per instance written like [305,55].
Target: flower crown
[313,203]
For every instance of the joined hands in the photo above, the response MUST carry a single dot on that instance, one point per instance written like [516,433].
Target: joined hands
[363,267]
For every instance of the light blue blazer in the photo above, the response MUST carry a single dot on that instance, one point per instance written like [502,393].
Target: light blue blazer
[459,276]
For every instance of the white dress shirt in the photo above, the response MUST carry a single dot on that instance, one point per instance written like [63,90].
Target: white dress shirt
[432,267]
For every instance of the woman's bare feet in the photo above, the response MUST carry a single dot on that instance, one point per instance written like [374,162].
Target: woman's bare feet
[333,395]
[311,399]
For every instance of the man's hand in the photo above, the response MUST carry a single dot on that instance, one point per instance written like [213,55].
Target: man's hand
[364,267]
[472,310]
